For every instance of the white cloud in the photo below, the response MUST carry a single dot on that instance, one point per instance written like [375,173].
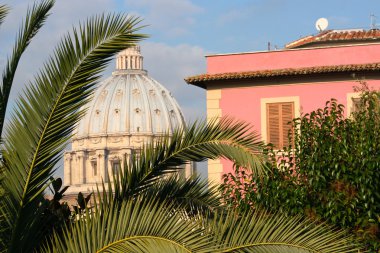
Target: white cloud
[170,65]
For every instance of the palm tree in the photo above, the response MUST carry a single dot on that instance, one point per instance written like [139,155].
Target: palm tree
[145,209]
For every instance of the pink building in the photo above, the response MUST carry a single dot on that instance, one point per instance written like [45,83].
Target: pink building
[270,88]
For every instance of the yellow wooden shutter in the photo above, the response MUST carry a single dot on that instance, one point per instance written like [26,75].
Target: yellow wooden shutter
[287,115]
[278,117]
[273,124]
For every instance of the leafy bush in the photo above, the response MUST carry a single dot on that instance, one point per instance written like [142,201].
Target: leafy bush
[332,173]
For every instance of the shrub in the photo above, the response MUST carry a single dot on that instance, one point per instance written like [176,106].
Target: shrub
[332,173]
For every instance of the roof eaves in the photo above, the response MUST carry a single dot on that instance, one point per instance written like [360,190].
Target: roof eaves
[201,80]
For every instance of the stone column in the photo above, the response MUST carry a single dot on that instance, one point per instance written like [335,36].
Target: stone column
[81,167]
[190,169]
[109,170]
[133,62]
[67,169]
[102,164]
[127,153]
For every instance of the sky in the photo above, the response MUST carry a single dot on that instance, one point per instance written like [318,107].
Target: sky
[182,32]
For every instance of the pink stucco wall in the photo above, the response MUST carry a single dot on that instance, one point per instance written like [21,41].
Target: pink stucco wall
[297,58]
[244,103]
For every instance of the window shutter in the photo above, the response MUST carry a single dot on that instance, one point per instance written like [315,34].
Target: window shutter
[278,117]
[356,104]
[287,116]
[273,124]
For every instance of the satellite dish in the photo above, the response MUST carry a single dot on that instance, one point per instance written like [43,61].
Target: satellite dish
[321,24]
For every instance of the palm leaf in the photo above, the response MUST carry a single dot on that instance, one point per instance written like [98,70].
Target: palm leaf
[138,226]
[35,18]
[150,226]
[200,141]
[193,194]
[47,114]
[3,12]
[261,231]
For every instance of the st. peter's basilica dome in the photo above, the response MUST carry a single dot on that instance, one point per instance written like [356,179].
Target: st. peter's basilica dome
[128,109]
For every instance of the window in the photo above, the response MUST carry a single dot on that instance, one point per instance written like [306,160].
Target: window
[115,167]
[94,168]
[353,103]
[356,104]
[278,116]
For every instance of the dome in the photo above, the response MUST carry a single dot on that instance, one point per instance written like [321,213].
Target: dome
[127,110]
[130,102]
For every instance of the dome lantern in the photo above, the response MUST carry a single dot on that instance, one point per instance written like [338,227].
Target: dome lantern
[129,59]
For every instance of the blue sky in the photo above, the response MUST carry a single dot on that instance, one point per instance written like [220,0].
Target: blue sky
[183,31]
[245,25]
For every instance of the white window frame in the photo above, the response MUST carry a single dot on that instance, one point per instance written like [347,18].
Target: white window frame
[350,103]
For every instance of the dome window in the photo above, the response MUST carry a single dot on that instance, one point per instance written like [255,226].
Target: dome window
[136,91]
[94,166]
[137,110]
[97,112]
[115,167]
[117,110]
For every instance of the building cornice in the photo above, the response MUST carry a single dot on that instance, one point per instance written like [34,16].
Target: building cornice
[204,80]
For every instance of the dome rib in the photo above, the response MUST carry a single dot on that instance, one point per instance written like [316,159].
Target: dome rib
[104,123]
[130,103]
[147,106]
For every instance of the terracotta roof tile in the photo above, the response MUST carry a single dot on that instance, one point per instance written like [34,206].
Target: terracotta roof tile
[336,36]
[199,80]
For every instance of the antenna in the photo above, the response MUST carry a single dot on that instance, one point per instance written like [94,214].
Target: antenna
[321,24]
[373,21]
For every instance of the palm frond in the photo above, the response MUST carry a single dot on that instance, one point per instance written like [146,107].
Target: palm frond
[3,12]
[47,114]
[192,194]
[261,231]
[200,141]
[34,20]
[138,226]
[149,226]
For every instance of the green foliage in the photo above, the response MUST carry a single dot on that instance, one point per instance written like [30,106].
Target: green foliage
[332,173]
[146,208]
